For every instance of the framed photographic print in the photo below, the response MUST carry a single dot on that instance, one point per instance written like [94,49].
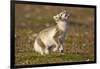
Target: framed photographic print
[50,34]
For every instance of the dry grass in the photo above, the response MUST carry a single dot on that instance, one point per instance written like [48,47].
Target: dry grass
[79,43]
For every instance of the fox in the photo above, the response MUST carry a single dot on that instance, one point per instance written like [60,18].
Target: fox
[52,38]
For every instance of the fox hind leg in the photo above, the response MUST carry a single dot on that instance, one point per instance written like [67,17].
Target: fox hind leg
[37,47]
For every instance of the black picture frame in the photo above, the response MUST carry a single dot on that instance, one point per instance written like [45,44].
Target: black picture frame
[12,33]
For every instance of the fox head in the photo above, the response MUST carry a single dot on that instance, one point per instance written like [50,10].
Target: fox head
[63,16]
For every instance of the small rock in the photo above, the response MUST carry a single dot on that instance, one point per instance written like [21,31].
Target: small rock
[88,60]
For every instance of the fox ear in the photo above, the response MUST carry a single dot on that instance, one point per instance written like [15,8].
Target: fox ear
[54,17]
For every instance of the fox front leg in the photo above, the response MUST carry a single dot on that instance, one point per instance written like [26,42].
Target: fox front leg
[56,45]
[61,41]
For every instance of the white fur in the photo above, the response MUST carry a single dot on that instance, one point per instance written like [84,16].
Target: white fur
[47,35]
[38,48]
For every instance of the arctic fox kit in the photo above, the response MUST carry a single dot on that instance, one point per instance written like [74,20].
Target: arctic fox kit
[48,36]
